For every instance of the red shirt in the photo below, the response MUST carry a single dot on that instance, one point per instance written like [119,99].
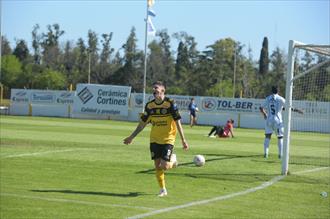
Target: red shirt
[226,130]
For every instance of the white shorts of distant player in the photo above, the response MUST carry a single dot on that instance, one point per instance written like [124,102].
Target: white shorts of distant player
[274,126]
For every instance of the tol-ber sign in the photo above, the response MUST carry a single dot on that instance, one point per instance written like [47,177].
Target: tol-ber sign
[214,104]
[102,99]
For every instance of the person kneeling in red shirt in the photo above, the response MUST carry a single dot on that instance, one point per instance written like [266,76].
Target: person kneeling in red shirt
[223,132]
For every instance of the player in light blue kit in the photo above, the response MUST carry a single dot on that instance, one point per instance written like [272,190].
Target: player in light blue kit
[272,112]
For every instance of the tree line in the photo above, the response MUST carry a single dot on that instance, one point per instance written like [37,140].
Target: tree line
[221,69]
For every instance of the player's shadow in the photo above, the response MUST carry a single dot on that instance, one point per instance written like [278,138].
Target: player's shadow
[241,177]
[69,191]
[218,157]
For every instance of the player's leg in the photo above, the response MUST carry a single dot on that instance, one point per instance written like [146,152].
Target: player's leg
[160,175]
[279,133]
[195,119]
[191,119]
[214,129]
[168,159]
[155,151]
[268,135]
[166,162]
[266,145]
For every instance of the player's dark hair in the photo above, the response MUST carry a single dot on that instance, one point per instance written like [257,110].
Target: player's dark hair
[274,89]
[160,83]
[231,121]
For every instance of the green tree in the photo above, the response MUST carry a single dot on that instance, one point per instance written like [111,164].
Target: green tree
[50,46]
[167,57]
[105,69]
[250,83]
[36,44]
[221,89]
[5,46]
[160,60]
[182,64]
[11,69]
[50,79]
[201,81]
[81,67]
[186,61]
[222,54]
[28,77]
[278,68]
[68,63]
[156,68]
[93,56]
[131,73]
[264,58]
[21,50]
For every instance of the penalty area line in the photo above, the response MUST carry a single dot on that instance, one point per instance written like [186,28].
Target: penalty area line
[310,171]
[41,153]
[206,201]
[73,201]
[219,198]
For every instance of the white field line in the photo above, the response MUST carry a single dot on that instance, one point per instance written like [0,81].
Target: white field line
[310,171]
[74,201]
[41,153]
[219,198]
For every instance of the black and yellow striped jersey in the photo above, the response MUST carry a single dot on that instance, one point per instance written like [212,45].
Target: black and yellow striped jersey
[162,117]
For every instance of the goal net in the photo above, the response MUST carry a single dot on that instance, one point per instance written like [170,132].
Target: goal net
[306,138]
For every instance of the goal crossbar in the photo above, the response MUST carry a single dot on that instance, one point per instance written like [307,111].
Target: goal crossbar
[321,49]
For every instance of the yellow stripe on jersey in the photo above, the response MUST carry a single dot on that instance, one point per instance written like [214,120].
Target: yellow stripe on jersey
[162,118]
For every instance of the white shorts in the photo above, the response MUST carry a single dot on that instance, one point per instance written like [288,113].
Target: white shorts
[271,127]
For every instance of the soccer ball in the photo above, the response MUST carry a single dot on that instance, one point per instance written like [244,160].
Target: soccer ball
[199,160]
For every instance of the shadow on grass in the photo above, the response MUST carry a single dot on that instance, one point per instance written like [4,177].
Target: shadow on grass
[68,191]
[247,177]
[218,158]
[242,177]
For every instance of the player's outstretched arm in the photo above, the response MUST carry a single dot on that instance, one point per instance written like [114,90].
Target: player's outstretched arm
[231,132]
[138,129]
[297,110]
[262,110]
[183,139]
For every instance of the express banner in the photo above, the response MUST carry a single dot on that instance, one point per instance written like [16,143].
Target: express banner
[43,97]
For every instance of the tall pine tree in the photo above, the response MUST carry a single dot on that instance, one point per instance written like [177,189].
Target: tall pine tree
[264,59]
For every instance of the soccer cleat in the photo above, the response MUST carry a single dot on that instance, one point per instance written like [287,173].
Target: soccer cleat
[162,192]
[174,161]
[265,155]
[279,156]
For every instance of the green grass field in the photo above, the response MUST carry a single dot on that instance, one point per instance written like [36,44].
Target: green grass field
[71,168]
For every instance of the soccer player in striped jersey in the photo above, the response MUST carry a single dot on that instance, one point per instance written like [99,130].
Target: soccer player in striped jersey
[164,117]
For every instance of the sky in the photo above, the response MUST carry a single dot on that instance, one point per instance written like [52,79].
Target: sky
[248,22]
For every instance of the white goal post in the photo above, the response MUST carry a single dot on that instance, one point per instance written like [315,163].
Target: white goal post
[319,50]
